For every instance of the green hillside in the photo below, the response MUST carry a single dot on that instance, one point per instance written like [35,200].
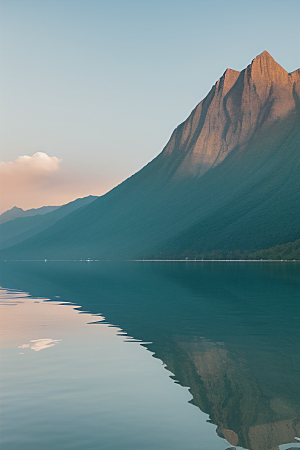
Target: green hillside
[289,251]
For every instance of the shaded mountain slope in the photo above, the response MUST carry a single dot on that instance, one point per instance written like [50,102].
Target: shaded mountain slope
[264,210]
[22,228]
[227,180]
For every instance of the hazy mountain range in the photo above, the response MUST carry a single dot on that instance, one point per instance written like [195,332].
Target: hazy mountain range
[33,221]
[16,212]
[226,185]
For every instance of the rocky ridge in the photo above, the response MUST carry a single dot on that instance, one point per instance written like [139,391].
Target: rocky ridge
[238,106]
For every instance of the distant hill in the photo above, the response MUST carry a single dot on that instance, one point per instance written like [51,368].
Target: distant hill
[227,183]
[16,212]
[17,230]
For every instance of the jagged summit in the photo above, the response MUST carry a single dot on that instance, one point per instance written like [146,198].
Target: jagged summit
[265,60]
[262,66]
[227,80]
[264,69]
[237,107]
[264,57]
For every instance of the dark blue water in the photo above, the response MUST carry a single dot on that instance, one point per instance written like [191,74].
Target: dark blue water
[227,333]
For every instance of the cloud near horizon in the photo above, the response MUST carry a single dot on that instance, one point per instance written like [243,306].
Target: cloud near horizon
[39,180]
[29,168]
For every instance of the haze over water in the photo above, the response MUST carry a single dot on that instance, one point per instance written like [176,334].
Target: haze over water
[228,334]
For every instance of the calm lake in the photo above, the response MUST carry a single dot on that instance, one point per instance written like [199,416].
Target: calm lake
[150,355]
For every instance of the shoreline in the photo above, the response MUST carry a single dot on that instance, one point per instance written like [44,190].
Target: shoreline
[152,260]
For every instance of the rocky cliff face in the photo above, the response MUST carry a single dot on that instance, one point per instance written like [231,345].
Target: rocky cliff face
[238,106]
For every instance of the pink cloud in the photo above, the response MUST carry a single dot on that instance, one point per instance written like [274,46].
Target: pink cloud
[40,180]
[28,168]
[26,178]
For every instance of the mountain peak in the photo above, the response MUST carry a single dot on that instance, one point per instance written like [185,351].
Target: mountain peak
[227,80]
[264,56]
[264,68]
[230,72]
[14,209]
[239,105]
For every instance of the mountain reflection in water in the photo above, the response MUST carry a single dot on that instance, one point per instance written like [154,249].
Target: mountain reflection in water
[228,331]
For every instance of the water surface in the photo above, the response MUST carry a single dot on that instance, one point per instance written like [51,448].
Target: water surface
[227,333]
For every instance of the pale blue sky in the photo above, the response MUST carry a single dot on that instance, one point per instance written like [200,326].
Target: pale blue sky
[101,84]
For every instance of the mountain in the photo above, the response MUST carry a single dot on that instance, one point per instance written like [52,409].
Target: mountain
[17,230]
[15,212]
[227,183]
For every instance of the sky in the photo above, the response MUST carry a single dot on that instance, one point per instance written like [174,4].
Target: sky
[91,90]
